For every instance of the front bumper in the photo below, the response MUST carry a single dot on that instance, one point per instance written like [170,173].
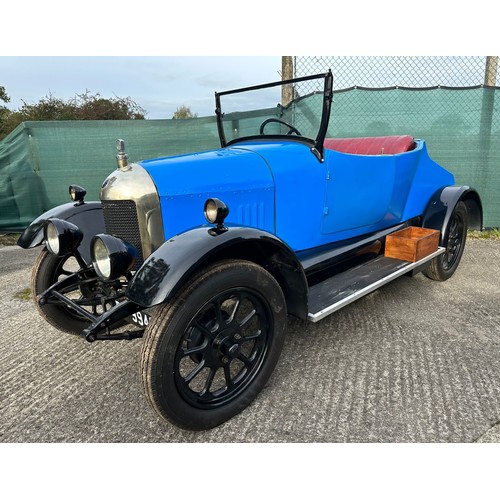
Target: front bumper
[101,328]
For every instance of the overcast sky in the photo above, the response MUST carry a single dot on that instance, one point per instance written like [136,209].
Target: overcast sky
[157,84]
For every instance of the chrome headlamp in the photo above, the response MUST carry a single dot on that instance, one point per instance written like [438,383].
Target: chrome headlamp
[77,193]
[112,257]
[215,211]
[61,237]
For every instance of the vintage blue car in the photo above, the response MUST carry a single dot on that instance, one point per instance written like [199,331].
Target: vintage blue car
[207,253]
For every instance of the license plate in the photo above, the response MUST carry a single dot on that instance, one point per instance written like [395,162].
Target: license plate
[140,319]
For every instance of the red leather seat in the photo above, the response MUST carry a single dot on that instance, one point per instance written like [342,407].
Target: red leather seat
[388,145]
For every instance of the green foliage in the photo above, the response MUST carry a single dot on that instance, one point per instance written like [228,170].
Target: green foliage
[3,95]
[489,234]
[183,112]
[24,294]
[86,106]
[3,110]
[95,107]
[9,239]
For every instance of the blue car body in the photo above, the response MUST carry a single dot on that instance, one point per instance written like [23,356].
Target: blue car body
[280,187]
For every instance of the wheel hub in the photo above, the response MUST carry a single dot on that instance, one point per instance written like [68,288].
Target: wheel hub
[226,345]
[233,351]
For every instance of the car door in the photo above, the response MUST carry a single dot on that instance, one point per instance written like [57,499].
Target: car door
[364,192]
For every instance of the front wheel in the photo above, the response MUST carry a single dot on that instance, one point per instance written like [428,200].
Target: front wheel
[94,296]
[209,352]
[47,270]
[445,265]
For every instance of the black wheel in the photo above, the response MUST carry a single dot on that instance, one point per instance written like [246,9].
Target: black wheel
[47,270]
[292,130]
[444,266]
[208,353]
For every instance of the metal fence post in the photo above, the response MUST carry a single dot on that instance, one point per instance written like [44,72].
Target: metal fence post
[286,74]
[490,72]
[487,107]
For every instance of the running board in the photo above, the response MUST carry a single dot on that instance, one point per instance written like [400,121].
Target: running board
[342,289]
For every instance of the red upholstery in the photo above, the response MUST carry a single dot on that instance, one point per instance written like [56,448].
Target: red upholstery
[389,145]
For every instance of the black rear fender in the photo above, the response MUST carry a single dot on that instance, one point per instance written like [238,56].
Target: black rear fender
[442,204]
[181,257]
[87,216]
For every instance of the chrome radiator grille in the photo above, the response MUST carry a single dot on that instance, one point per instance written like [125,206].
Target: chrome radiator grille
[120,218]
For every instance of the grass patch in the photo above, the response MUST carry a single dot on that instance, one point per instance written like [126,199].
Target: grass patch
[490,234]
[24,294]
[9,239]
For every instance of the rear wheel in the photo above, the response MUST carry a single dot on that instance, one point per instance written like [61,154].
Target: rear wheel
[208,353]
[445,265]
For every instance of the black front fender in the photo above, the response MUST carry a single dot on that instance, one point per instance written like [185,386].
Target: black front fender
[87,216]
[181,257]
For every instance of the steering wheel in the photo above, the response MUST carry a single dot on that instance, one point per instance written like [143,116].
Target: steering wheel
[292,130]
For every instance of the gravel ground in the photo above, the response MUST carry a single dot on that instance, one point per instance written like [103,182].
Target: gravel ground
[416,361]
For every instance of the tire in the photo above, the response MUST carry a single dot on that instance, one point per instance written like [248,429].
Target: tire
[444,266]
[47,270]
[208,353]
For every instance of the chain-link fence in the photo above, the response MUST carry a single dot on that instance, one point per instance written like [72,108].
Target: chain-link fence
[400,94]
[398,71]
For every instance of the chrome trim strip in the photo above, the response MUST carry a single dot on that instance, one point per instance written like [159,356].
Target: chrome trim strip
[365,291]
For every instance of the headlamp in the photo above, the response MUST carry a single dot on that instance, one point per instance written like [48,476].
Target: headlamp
[61,237]
[112,257]
[77,193]
[215,211]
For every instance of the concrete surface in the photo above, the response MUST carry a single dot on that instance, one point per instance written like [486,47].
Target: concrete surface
[416,361]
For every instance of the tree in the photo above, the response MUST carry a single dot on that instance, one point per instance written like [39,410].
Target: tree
[86,106]
[3,95]
[184,112]
[95,107]
[3,110]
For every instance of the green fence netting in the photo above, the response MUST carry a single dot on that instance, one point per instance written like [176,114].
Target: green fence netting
[39,160]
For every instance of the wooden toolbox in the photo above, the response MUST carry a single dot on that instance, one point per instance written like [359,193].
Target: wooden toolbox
[412,243]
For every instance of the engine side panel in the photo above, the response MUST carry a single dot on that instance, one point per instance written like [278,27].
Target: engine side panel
[240,178]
